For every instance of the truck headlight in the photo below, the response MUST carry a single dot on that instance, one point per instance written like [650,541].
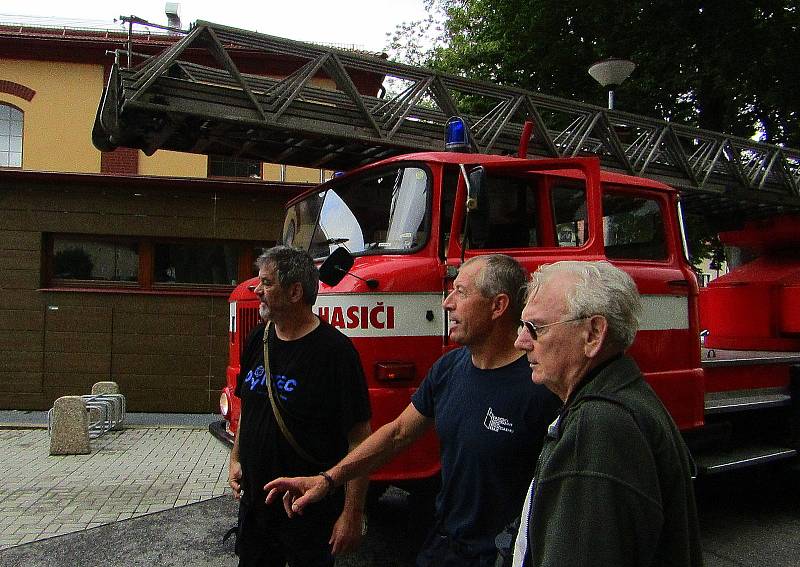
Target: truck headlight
[224,404]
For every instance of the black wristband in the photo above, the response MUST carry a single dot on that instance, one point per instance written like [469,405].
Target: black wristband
[329,480]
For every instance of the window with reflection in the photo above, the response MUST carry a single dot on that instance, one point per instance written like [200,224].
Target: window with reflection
[146,262]
[11,119]
[376,212]
[226,166]
[633,227]
[511,213]
[514,219]
[195,263]
[95,260]
[569,211]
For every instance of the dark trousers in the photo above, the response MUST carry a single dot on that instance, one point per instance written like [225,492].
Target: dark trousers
[440,550]
[268,538]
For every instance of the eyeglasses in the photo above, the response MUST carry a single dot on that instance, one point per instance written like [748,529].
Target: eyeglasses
[534,329]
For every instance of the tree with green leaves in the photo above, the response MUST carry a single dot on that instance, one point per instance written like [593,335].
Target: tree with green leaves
[714,64]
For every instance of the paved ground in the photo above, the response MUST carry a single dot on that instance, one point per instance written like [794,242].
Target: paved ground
[152,494]
[124,504]
[192,536]
[181,537]
[746,520]
[139,470]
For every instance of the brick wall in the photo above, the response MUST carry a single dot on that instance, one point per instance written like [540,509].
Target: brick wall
[16,89]
[122,161]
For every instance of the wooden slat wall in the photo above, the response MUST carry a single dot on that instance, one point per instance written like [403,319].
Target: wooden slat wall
[167,352]
[21,315]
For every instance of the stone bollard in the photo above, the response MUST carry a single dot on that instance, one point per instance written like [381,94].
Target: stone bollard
[117,409]
[69,434]
[105,388]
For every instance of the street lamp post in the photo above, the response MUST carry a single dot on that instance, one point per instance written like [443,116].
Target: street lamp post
[611,73]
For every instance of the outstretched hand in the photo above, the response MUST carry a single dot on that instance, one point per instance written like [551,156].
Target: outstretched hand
[347,533]
[297,492]
[235,478]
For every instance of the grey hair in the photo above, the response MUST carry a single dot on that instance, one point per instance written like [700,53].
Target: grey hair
[503,274]
[293,265]
[600,289]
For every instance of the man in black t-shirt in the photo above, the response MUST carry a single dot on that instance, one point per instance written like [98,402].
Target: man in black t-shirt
[490,418]
[318,385]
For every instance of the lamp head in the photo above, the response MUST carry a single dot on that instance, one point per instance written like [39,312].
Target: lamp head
[612,72]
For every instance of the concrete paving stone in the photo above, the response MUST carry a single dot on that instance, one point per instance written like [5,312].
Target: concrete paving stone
[52,528]
[128,473]
[157,508]
[27,536]
[106,519]
[31,521]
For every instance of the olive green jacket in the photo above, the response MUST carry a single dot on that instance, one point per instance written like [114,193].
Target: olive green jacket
[613,482]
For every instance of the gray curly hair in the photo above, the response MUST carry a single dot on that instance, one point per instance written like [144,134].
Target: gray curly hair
[293,265]
[600,289]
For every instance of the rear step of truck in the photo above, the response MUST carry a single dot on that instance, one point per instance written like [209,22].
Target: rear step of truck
[741,457]
[727,402]
[732,437]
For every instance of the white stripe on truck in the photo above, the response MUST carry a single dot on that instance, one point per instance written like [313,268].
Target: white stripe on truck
[421,315]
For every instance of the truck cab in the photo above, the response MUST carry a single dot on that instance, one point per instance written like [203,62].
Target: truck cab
[409,222]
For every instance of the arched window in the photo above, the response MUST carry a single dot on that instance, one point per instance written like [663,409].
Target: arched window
[10,136]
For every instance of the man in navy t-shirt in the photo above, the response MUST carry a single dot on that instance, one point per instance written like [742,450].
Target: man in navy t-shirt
[489,416]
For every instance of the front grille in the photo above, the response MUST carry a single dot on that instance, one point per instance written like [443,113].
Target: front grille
[248,318]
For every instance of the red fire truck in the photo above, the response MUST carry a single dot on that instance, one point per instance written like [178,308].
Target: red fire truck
[403,221]
[538,178]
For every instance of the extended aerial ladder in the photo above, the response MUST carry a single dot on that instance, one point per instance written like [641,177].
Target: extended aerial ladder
[171,101]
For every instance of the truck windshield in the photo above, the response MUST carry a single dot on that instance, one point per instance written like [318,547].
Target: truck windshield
[375,212]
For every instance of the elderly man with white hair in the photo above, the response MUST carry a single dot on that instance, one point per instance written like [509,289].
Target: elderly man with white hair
[613,484]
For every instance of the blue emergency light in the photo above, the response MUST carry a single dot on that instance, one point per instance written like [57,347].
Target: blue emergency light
[456,135]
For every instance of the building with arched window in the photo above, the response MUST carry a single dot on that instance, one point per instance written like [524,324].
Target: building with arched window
[117,265]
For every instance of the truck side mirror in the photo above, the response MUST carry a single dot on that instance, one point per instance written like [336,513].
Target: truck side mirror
[478,207]
[476,188]
[336,266]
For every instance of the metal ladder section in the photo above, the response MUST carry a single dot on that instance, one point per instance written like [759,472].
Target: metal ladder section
[170,102]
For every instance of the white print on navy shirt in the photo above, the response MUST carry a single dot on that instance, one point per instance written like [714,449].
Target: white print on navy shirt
[497,423]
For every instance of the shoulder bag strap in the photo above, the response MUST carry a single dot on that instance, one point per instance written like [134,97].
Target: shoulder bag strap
[278,417]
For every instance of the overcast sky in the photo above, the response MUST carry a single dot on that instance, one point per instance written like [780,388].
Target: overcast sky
[353,22]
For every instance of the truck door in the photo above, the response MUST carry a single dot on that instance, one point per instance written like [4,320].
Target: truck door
[545,211]
[537,211]
[642,236]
